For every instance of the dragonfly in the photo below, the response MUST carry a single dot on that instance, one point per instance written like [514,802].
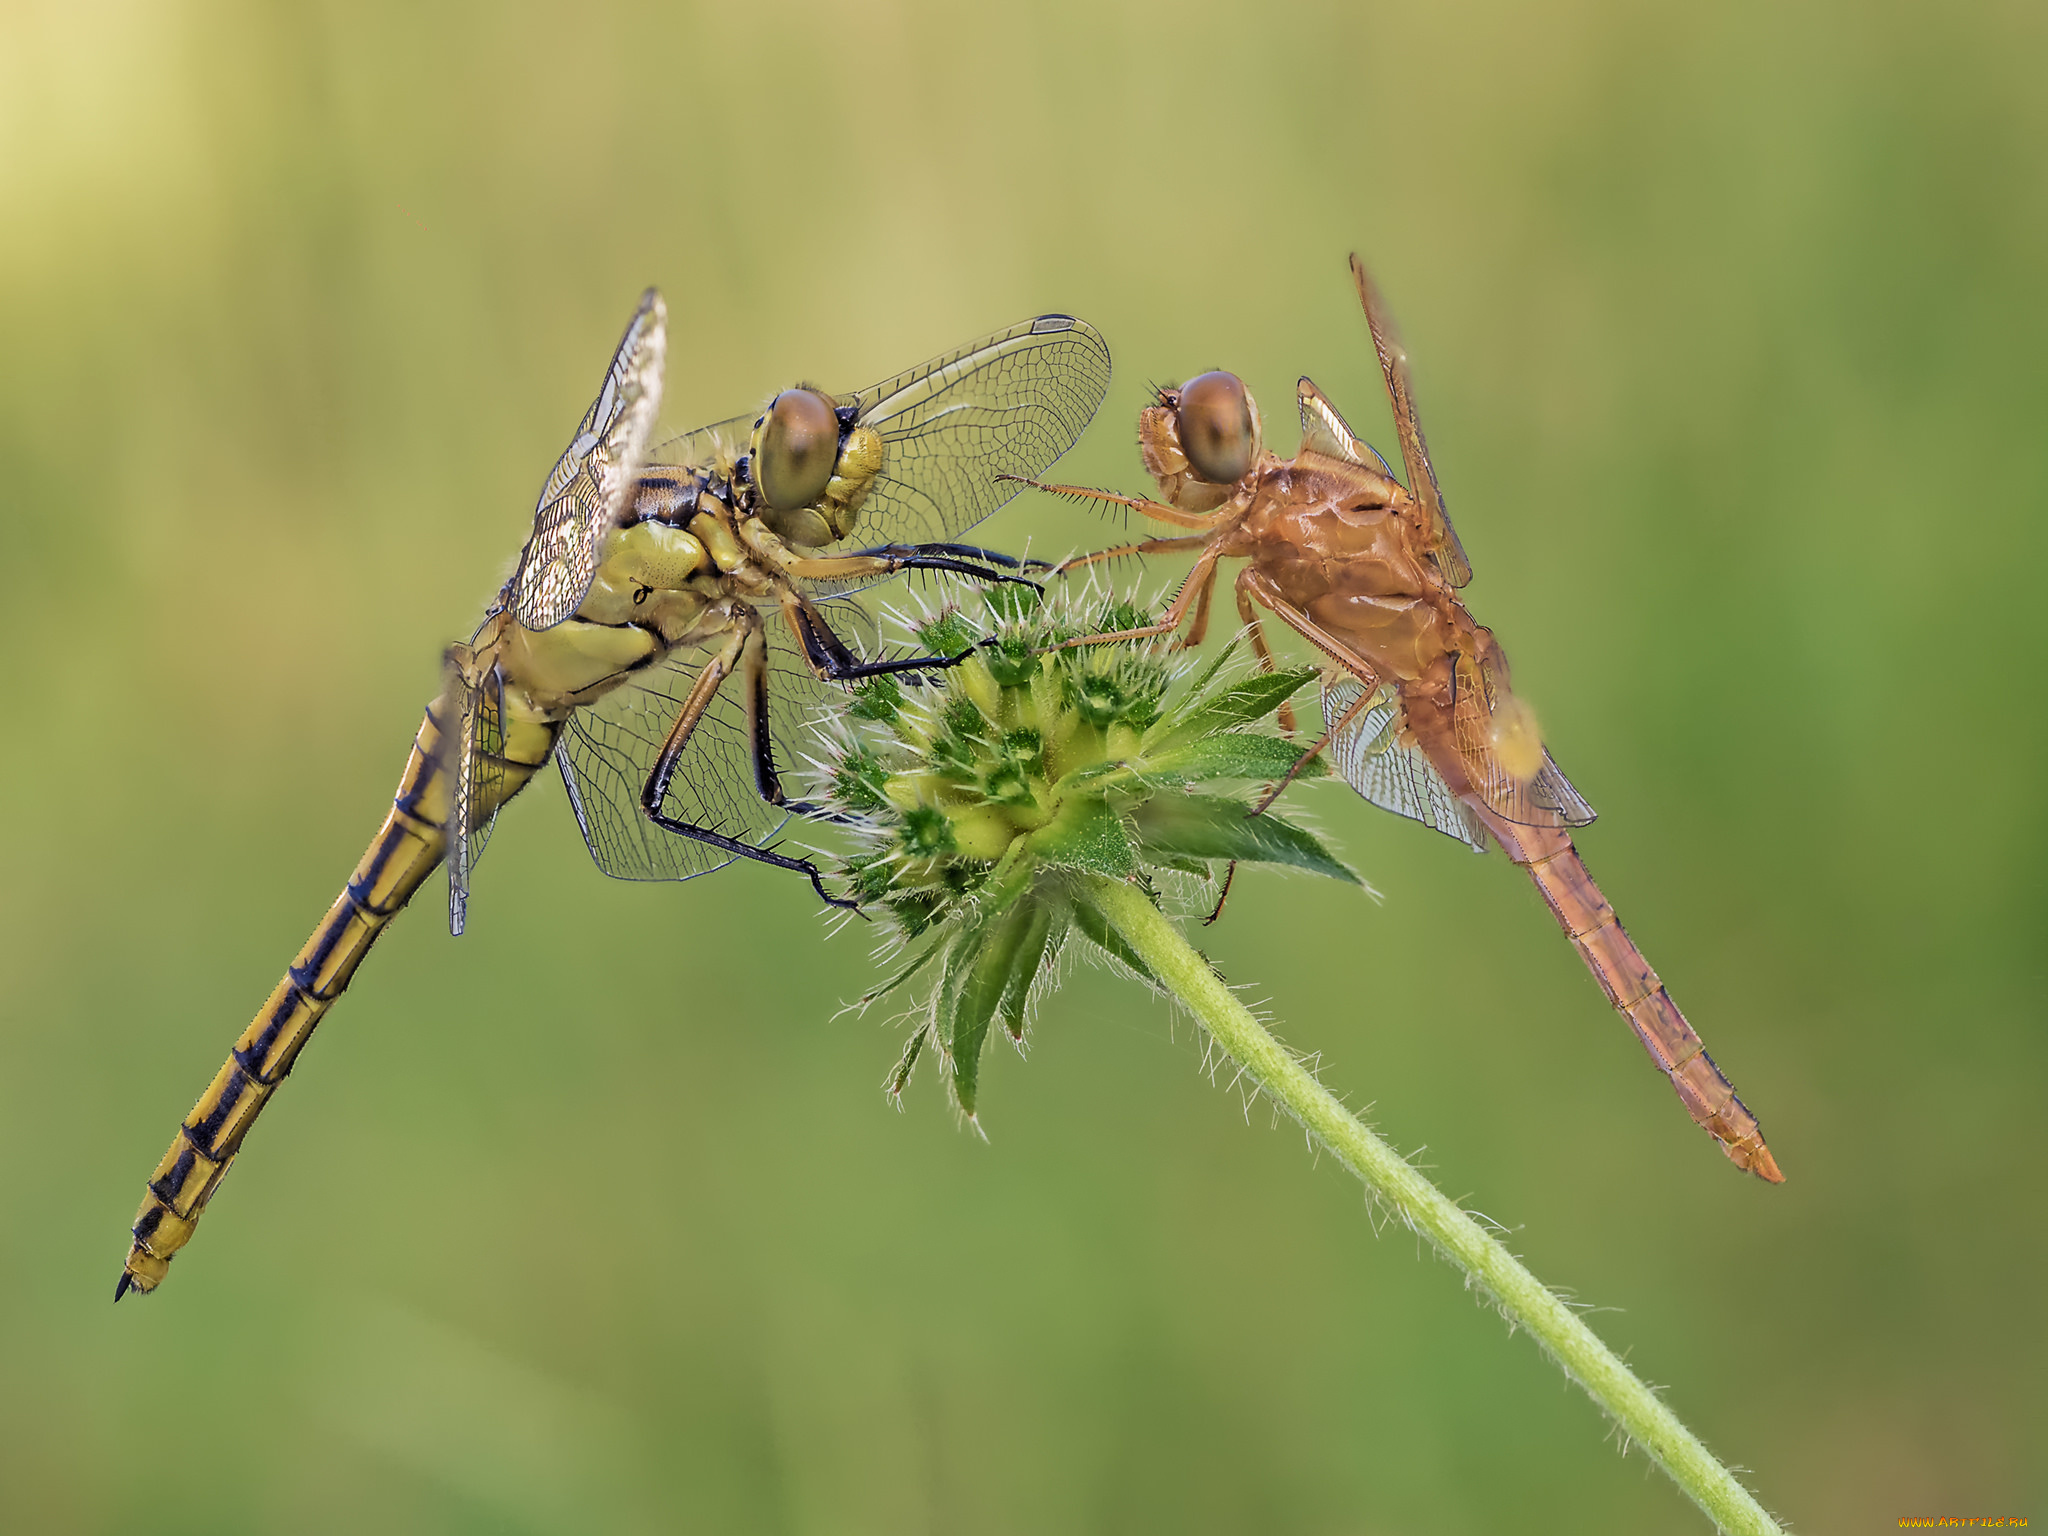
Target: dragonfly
[676,616]
[1420,715]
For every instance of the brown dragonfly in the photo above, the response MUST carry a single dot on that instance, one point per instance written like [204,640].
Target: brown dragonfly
[1420,716]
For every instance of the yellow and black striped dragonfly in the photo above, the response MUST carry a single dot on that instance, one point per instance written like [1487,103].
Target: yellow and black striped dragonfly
[674,618]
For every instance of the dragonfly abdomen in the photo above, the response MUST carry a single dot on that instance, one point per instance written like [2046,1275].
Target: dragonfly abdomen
[407,848]
[1636,991]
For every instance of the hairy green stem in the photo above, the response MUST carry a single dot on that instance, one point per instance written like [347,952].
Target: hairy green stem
[1519,1294]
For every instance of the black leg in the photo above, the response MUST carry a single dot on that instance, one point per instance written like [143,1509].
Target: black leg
[760,855]
[767,778]
[831,660]
[748,656]
[962,568]
[964,551]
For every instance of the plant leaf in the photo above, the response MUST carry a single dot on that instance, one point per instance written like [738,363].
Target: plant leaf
[899,978]
[965,1004]
[1216,827]
[1038,940]
[989,970]
[899,1079]
[1247,699]
[1232,755]
[1216,665]
[1088,835]
[1011,878]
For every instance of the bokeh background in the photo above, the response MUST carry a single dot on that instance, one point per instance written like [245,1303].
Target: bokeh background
[1730,340]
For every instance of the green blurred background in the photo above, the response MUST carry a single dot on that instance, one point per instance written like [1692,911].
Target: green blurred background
[1729,337]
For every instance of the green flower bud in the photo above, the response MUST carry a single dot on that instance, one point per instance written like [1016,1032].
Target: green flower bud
[877,698]
[947,634]
[1007,776]
[1011,661]
[857,780]
[926,833]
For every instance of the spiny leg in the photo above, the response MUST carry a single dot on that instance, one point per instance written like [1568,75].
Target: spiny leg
[1273,792]
[1204,522]
[1229,877]
[744,650]
[830,658]
[856,566]
[1178,546]
[1159,511]
[1196,584]
[828,655]
[761,750]
[1251,584]
[1198,628]
[1284,715]
[978,552]
[1257,628]
[1196,633]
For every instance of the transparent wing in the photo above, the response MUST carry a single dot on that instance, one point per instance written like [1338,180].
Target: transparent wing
[1009,404]
[1449,553]
[1326,431]
[1547,800]
[1371,758]
[588,486]
[476,739]
[609,748]
[715,447]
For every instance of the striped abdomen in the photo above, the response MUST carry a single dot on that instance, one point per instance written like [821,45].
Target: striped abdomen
[407,848]
[1554,864]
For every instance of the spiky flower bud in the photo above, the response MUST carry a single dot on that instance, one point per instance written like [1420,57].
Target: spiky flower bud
[988,791]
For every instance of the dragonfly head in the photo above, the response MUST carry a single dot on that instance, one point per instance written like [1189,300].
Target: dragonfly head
[1200,440]
[812,462]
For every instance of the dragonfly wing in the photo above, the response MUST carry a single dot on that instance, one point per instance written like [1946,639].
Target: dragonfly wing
[1371,758]
[715,448]
[608,750]
[1009,404]
[1449,553]
[588,487]
[476,739]
[1325,430]
[1545,800]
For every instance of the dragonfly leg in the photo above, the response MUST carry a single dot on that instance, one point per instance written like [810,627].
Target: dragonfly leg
[832,660]
[1176,614]
[1198,629]
[1254,586]
[1229,878]
[1157,510]
[1273,792]
[1142,547]
[744,653]
[845,567]
[1256,627]
[965,551]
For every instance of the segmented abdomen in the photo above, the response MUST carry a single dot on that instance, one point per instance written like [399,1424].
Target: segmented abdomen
[407,848]
[1634,989]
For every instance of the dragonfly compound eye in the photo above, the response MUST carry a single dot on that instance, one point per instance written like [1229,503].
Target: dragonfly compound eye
[797,450]
[1217,430]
